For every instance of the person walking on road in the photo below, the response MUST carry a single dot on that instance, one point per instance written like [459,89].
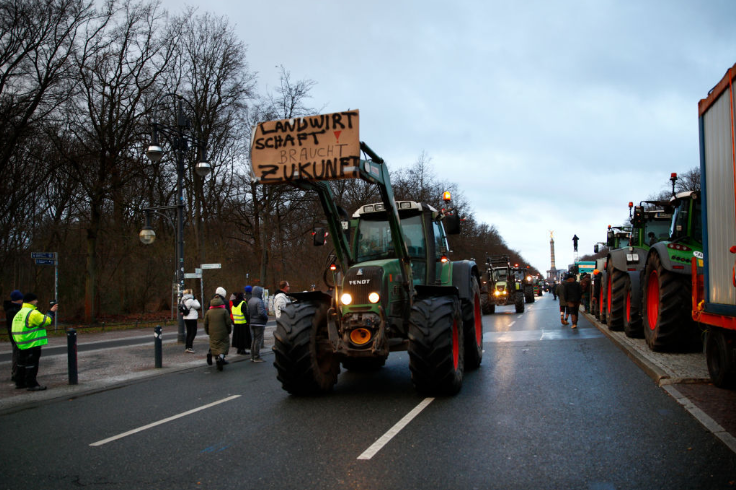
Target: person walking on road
[241,329]
[190,318]
[280,299]
[218,325]
[573,294]
[29,333]
[11,308]
[560,290]
[258,320]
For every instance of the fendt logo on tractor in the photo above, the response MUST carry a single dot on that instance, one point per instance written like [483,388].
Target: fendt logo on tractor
[359,282]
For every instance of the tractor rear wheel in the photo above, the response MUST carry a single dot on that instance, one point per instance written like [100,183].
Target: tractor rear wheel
[473,325]
[486,306]
[303,354]
[615,298]
[632,313]
[436,352]
[666,307]
[603,302]
[519,302]
[720,355]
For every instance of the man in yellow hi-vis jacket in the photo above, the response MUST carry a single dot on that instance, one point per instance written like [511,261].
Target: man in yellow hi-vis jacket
[29,334]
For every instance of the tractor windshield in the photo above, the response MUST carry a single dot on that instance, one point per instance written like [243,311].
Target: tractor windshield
[500,274]
[374,237]
[656,231]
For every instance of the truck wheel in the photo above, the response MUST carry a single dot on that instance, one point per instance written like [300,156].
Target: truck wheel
[303,354]
[615,298]
[473,325]
[436,353]
[632,313]
[363,363]
[666,307]
[720,357]
[519,303]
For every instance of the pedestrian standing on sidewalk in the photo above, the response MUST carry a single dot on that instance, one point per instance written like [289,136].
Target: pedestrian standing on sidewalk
[218,325]
[563,304]
[11,308]
[29,332]
[239,314]
[585,287]
[192,306]
[258,320]
[573,294]
[280,299]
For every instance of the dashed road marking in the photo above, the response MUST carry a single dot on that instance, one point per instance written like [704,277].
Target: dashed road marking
[384,439]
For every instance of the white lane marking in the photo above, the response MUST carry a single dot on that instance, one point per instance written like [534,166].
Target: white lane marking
[383,440]
[154,424]
[512,323]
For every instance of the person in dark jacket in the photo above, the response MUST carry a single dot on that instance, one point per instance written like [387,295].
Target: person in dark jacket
[11,308]
[218,325]
[258,320]
[560,292]
[573,295]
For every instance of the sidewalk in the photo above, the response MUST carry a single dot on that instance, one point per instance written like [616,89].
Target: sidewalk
[101,369]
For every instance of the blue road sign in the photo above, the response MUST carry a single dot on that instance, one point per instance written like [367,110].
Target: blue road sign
[45,262]
[43,255]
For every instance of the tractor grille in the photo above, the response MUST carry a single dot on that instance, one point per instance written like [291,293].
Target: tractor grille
[501,287]
[361,281]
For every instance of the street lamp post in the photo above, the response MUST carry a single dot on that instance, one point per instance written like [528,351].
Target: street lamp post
[179,138]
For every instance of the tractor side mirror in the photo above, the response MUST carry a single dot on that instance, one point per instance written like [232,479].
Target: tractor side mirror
[319,235]
[452,224]
[595,248]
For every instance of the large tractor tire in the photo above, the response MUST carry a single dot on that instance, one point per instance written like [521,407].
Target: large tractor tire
[361,364]
[303,354]
[615,299]
[486,306]
[436,351]
[519,303]
[666,304]
[529,294]
[720,355]
[632,313]
[603,303]
[473,325]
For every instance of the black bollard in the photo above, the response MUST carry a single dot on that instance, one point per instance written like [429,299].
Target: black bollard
[71,350]
[157,345]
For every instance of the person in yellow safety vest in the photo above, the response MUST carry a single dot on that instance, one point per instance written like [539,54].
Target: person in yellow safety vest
[241,329]
[29,334]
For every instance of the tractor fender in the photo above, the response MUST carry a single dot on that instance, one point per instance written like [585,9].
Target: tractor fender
[462,272]
[618,261]
[660,248]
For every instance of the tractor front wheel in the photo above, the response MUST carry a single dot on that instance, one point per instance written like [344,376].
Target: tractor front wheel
[303,354]
[436,351]
[632,313]
[519,302]
[615,297]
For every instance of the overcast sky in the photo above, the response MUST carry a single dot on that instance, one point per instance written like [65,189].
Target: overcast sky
[549,115]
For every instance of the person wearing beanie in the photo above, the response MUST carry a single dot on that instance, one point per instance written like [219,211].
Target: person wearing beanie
[11,308]
[218,325]
[29,334]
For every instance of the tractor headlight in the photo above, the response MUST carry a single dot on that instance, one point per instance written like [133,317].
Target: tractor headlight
[374,298]
[346,299]
[496,293]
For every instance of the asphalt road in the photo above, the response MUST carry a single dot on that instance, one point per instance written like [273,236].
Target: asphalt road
[549,408]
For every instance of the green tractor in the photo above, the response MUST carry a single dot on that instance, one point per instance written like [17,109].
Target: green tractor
[393,287]
[528,285]
[616,238]
[504,284]
[622,300]
[666,278]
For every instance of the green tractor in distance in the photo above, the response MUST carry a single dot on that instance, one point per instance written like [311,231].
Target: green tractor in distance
[666,278]
[504,284]
[622,300]
[393,287]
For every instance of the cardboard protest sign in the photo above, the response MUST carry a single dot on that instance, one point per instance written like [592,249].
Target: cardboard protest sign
[323,147]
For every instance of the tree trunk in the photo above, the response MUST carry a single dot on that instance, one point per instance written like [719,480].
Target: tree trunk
[90,286]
